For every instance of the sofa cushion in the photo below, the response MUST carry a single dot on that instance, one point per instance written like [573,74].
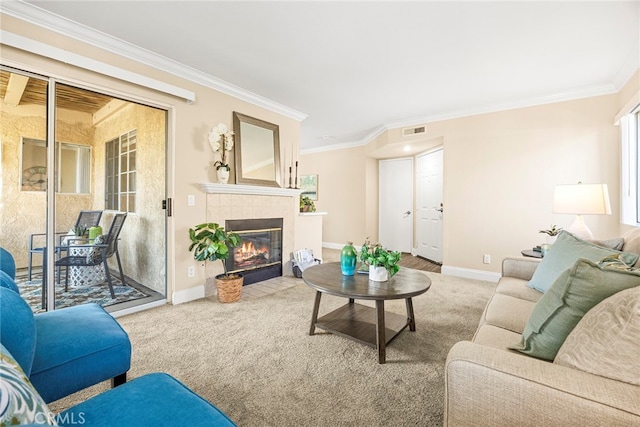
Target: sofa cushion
[606,342]
[564,253]
[17,328]
[517,288]
[507,312]
[151,400]
[632,242]
[20,403]
[93,354]
[7,282]
[615,244]
[493,336]
[7,263]
[559,310]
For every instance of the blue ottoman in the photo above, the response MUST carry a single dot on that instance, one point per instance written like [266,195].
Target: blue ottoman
[152,400]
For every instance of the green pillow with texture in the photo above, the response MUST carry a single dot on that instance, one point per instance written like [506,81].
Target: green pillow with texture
[573,294]
[564,253]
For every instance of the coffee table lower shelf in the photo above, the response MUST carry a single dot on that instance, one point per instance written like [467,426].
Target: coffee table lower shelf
[359,323]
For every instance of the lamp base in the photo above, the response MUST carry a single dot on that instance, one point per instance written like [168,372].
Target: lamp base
[580,229]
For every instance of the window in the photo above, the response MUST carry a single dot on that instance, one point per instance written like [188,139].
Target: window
[73,174]
[120,171]
[630,179]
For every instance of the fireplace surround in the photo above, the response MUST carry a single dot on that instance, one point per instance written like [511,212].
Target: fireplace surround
[259,256]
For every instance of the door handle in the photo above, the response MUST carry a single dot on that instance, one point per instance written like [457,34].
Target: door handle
[441,208]
[406,214]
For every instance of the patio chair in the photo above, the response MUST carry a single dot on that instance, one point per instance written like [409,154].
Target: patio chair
[85,219]
[98,253]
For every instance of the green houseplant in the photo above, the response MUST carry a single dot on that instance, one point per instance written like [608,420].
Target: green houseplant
[211,242]
[552,234]
[379,260]
[306,204]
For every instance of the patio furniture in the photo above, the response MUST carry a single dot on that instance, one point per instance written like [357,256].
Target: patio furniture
[85,219]
[98,253]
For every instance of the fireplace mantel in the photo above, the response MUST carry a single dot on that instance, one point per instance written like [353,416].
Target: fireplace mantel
[215,188]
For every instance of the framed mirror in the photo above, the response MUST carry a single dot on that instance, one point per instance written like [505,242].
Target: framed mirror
[257,151]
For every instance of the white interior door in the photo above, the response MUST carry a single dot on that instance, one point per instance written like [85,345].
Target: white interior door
[429,205]
[395,229]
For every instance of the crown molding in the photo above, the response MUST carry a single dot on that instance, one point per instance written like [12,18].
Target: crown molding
[628,69]
[92,37]
[604,89]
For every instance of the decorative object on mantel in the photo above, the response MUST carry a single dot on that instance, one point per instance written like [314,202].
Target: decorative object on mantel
[210,242]
[309,186]
[257,153]
[382,262]
[306,204]
[221,141]
[296,176]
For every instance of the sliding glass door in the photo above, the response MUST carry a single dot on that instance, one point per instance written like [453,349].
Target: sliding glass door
[72,161]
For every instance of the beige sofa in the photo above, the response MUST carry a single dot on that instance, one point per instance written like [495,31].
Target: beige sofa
[487,384]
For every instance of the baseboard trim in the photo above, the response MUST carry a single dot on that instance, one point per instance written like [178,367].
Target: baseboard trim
[330,245]
[137,308]
[187,295]
[468,273]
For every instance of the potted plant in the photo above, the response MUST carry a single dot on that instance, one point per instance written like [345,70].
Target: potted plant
[306,204]
[551,233]
[383,263]
[221,141]
[211,242]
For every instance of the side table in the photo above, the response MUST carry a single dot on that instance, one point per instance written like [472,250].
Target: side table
[531,253]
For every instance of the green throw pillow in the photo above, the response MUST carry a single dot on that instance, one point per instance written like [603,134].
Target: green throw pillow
[559,310]
[564,253]
[20,403]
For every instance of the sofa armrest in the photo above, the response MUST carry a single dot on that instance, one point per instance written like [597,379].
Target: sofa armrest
[503,388]
[521,268]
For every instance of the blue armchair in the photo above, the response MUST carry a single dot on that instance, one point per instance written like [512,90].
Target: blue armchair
[47,356]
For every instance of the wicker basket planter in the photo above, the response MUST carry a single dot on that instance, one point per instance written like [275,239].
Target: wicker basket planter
[229,289]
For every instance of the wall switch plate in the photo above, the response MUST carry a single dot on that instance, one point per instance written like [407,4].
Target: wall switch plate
[486,259]
[191,200]
[191,271]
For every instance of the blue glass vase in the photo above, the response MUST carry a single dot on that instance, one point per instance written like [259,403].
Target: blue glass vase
[348,258]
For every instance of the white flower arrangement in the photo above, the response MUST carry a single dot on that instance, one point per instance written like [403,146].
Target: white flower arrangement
[221,141]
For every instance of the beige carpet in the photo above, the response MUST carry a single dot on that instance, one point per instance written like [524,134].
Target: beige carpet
[255,360]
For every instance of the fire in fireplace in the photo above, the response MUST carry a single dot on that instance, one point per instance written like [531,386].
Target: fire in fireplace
[260,255]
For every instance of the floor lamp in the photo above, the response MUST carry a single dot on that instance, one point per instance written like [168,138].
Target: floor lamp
[581,199]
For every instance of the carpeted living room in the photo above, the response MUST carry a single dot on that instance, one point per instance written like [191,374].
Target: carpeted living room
[256,361]
[491,146]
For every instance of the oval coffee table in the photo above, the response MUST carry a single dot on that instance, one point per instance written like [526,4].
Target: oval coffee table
[363,324]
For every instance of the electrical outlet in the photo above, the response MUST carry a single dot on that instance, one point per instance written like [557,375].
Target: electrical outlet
[191,271]
[486,258]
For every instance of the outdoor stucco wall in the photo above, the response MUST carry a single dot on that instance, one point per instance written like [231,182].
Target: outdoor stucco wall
[23,213]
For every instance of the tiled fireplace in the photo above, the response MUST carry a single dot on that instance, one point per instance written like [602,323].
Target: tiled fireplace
[259,257]
[232,202]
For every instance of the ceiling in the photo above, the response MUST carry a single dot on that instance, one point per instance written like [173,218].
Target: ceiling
[67,97]
[356,68]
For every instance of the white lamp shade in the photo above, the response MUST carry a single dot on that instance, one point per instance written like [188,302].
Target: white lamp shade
[582,199]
